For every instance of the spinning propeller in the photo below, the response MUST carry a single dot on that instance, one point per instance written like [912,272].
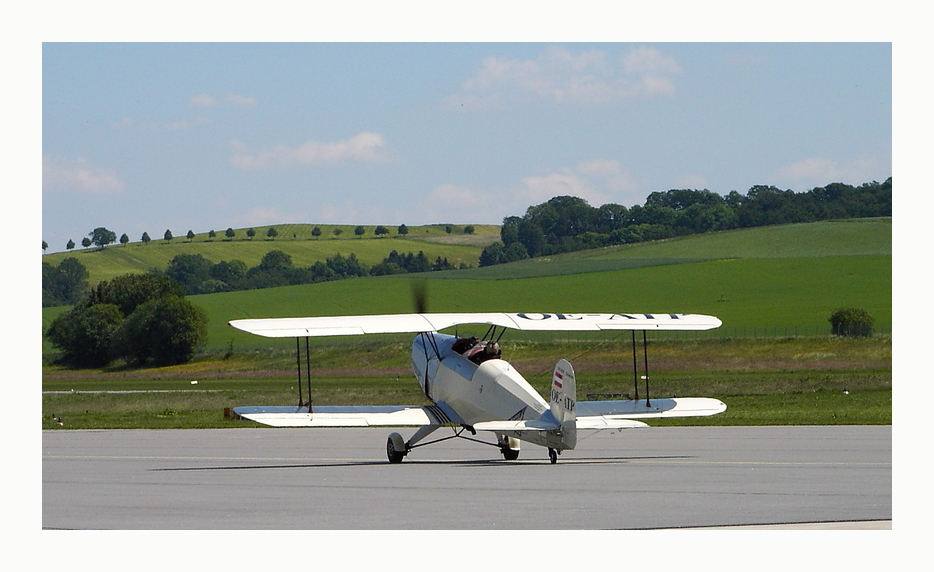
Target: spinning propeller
[420,296]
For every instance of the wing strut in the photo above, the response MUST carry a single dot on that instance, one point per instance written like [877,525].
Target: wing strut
[298,363]
[298,360]
[645,356]
[635,366]
[308,371]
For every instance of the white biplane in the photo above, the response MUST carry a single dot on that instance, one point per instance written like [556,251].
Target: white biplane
[472,388]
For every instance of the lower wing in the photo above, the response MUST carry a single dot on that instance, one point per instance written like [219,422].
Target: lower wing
[345,416]
[648,408]
[590,415]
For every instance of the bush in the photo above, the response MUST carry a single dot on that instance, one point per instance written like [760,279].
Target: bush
[140,318]
[84,334]
[852,322]
[165,330]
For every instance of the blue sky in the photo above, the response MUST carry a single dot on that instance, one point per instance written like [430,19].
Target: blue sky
[153,136]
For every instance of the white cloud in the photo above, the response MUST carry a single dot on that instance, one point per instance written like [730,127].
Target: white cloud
[59,173]
[363,147]
[645,60]
[561,183]
[562,76]
[819,171]
[609,174]
[269,215]
[599,167]
[233,99]
[239,100]
[202,100]
[178,125]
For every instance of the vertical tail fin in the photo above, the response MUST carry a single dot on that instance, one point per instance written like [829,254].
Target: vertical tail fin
[564,403]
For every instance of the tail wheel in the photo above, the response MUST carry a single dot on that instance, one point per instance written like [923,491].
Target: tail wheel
[395,456]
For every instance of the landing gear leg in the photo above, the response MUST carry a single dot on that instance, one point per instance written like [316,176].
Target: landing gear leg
[552,455]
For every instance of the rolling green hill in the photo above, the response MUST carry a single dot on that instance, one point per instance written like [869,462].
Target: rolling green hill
[293,239]
[853,237]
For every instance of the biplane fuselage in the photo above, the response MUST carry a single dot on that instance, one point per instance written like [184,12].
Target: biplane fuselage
[487,391]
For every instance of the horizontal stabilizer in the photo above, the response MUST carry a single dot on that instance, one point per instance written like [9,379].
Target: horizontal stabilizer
[519,425]
[597,423]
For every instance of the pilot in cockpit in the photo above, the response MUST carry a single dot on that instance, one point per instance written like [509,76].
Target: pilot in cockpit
[477,351]
[464,344]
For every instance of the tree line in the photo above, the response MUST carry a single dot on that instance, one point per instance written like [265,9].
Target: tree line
[67,283]
[102,236]
[567,224]
[198,275]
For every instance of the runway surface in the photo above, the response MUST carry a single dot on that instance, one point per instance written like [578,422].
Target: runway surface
[684,477]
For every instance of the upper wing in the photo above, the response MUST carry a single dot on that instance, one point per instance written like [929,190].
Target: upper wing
[413,323]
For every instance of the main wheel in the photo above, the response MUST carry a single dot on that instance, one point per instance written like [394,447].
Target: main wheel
[552,455]
[391,452]
[510,454]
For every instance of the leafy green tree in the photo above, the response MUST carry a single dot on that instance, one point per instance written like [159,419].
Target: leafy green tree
[124,239]
[85,242]
[130,290]
[101,237]
[272,233]
[402,230]
[139,317]
[63,284]
[230,272]
[251,233]
[70,245]
[190,235]
[45,246]
[316,232]
[230,233]
[189,270]
[145,238]
[492,254]
[852,322]
[469,229]
[386,268]
[359,231]
[168,235]
[515,251]
[337,232]
[275,260]
[509,231]
[85,334]
[167,330]
[212,234]
[381,230]
[448,229]
[348,267]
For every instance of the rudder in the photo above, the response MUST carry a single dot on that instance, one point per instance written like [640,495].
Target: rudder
[564,404]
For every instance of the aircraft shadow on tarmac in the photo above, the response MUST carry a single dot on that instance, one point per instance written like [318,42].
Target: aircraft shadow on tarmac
[452,463]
